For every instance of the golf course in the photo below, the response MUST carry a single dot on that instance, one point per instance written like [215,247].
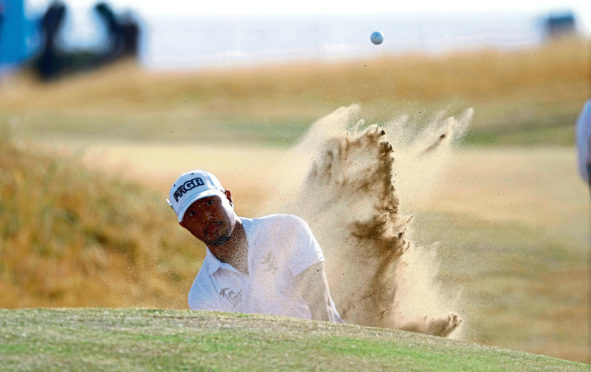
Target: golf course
[127,340]
[94,269]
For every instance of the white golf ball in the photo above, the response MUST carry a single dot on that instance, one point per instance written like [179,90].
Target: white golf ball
[376,38]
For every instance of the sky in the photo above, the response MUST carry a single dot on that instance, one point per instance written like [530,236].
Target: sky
[266,7]
[189,8]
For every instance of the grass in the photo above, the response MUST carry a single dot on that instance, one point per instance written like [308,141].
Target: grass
[521,287]
[512,227]
[519,264]
[143,339]
[530,96]
[73,237]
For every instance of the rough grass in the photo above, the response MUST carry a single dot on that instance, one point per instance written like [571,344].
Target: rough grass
[129,340]
[529,96]
[73,237]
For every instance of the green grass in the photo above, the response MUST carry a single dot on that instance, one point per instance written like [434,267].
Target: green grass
[524,122]
[530,122]
[142,339]
[157,127]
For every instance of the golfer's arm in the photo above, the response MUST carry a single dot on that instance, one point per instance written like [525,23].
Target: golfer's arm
[312,285]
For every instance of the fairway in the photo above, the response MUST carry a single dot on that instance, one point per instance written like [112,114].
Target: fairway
[130,340]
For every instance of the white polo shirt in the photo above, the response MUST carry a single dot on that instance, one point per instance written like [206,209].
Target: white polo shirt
[279,248]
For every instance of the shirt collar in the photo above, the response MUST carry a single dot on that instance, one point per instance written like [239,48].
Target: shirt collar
[212,262]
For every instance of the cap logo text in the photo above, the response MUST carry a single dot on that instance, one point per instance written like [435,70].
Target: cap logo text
[185,187]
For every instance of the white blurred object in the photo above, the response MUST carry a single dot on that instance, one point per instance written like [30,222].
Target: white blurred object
[583,139]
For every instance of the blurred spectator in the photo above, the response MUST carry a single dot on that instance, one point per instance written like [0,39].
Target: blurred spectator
[583,138]
[53,60]
[122,31]
[48,64]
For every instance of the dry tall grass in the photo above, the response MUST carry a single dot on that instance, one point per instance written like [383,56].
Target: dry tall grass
[73,237]
[522,96]
[553,71]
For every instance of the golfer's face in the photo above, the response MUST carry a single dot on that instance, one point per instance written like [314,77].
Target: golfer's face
[210,220]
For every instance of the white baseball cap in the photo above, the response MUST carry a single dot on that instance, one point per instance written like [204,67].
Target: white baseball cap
[190,187]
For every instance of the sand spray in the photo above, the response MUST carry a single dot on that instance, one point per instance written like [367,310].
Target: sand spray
[351,182]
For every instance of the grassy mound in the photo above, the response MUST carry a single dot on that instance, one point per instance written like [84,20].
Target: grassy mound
[106,339]
[72,237]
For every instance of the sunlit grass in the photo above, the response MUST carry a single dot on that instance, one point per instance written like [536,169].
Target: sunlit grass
[521,287]
[73,237]
[529,96]
[132,339]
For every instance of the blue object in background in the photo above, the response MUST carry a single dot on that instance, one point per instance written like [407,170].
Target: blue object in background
[13,49]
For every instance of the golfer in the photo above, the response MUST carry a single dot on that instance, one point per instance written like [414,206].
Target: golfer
[268,265]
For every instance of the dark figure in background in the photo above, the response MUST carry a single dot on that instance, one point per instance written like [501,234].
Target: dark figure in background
[50,61]
[53,61]
[123,32]
[560,24]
